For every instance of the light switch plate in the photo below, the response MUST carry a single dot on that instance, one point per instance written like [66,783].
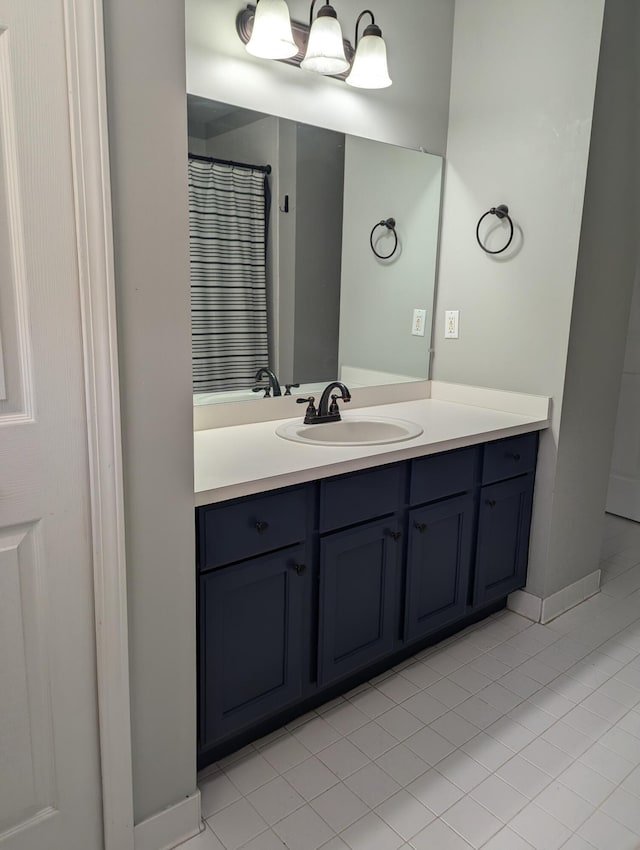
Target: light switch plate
[451,322]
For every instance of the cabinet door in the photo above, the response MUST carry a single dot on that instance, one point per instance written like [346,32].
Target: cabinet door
[503,538]
[438,565]
[251,621]
[359,572]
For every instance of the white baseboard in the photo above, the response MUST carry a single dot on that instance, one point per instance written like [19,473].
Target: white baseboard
[169,827]
[545,610]
[570,596]
[525,604]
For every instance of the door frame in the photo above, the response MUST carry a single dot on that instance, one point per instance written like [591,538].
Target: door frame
[86,78]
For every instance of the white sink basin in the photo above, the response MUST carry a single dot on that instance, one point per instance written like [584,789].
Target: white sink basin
[351,431]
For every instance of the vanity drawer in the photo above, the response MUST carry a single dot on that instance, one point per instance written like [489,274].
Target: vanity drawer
[510,457]
[442,475]
[360,497]
[251,527]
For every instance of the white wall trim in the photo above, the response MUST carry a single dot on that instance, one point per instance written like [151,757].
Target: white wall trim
[525,604]
[90,154]
[570,596]
[545,610]
[523,404]
[206,416]
[171,826]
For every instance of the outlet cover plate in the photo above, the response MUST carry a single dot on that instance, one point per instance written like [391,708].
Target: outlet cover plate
[451,324]
[419,322]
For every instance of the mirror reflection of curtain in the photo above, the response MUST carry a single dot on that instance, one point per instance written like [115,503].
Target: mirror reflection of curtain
[227,226]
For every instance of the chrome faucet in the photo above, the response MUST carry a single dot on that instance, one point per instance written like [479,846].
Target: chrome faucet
[274,384]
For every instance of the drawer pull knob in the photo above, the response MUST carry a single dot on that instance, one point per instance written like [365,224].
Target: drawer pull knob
[299,568]
[421,526]
[261,527]
[394,535]
[513,456]
[491,503]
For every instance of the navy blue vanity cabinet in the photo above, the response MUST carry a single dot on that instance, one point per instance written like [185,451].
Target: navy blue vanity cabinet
[504,517]
[251,646]
[359,574]
[440,539]
[359,569]
[254,609]
[307,591]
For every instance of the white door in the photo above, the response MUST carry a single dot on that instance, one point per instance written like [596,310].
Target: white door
[623,497]
[50,796]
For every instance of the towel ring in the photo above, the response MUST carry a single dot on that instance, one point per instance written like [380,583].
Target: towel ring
[390,224]
[501,212]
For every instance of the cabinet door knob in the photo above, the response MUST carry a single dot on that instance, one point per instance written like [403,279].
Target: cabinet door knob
[421,526]
[513,456]
[299,568]
[261,527]
[491,502]
[394,535]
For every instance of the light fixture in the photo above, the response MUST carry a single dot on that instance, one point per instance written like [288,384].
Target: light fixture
[272,37]
[268,32]
[325,47]
[369,69]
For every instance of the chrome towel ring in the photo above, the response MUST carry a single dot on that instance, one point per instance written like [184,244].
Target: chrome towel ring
[390,224]
[500,212]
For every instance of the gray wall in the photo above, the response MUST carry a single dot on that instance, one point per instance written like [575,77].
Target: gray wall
[519,133]
[286,252]
[378,297]
[148,147]
[601,301]
[413,112]
[255,143]
[318,211]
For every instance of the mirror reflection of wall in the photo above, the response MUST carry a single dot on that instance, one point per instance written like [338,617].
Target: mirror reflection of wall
[333,309]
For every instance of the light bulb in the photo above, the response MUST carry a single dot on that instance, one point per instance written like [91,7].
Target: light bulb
[325,48]
[369,69]
[272,37]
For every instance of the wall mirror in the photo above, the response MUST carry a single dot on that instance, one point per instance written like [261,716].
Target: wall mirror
[283,274]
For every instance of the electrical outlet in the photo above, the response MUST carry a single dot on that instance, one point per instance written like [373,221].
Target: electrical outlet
[451,320]
[419,322]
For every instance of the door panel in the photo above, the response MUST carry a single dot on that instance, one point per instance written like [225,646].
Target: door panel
[503,538]
[358,597]
[438,565]
[251,638]
[25,729]
[50,795]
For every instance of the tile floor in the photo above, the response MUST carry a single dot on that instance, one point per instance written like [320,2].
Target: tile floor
[508,736]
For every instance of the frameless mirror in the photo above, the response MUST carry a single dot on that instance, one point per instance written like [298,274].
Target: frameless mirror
[290,265]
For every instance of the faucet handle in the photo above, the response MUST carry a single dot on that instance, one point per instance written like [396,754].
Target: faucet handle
[267,391]
[333,407]
[311,412]
[288,387]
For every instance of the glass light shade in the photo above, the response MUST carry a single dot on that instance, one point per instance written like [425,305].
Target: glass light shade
[271,37]
[369,69]
[325,48]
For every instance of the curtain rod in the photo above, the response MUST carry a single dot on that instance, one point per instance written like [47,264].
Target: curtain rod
[266,169]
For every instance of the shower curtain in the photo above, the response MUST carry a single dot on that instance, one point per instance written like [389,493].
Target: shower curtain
[228,207]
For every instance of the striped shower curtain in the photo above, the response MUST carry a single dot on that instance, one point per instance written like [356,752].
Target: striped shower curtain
[227,226]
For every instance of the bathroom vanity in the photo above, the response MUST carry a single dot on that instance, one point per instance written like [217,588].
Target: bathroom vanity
[308,589]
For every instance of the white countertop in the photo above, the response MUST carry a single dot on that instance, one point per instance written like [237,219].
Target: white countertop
[242,460]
